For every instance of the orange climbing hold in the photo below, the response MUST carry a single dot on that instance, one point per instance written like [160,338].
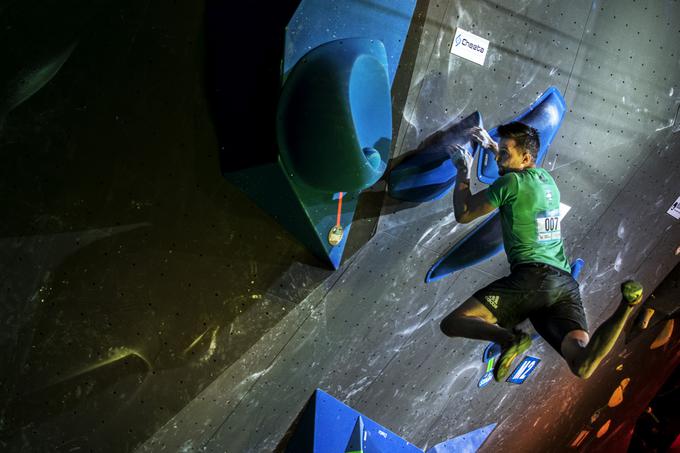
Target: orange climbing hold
[578,440]
[664,336]
[603,429]
[617,396]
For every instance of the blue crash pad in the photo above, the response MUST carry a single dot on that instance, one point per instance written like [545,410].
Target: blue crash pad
[465,443]
[356,440]
[328,425]
[428,174]
[545,115]
[486,240]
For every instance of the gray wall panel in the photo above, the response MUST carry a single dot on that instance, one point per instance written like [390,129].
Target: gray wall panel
[348,339]
[518,68]
[373,340]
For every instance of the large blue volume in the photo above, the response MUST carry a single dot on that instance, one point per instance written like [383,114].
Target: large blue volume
[465,443]
[486,240]
[316,22]
[428,174]
[333,119]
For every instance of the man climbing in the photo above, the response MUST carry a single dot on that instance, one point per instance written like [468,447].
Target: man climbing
[540,286]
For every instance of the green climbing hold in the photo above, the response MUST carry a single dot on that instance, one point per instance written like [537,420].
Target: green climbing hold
[632,292]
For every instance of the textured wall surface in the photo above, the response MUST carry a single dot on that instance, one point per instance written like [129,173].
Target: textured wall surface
[147,304]
[373,338]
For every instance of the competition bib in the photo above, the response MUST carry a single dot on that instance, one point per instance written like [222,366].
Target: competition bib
[548,226]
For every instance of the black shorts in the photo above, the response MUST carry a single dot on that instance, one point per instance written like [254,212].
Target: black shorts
[548,296]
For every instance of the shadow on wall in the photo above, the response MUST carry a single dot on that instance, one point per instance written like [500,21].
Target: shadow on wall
[373,200]
[133,273]
[244,56]
[28,67]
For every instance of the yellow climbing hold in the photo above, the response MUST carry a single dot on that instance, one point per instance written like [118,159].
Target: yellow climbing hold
[645,316]
[620,367]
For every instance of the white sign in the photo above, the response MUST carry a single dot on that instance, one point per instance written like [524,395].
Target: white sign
[674,210]
[469,46]
[564,209]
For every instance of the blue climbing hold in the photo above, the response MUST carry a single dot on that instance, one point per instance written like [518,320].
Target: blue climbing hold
[576,267]
[545,115]
[428,174]
[482,243]
[486,240]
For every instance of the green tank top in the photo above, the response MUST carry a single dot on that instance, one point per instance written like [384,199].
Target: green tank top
[529,205]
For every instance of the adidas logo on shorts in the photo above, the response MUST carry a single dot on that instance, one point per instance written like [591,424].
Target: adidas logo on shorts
[493,300]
